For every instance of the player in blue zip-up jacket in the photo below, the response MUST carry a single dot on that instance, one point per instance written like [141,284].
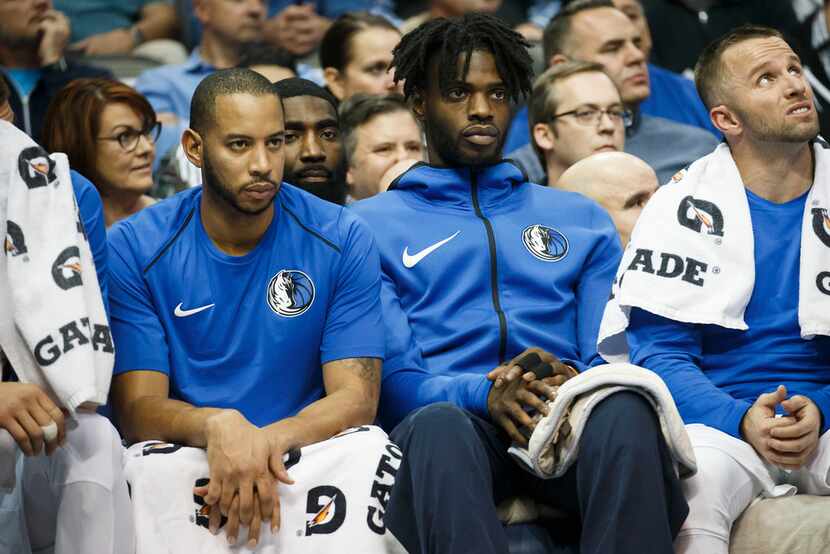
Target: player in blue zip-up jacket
[478,265]
[469,304]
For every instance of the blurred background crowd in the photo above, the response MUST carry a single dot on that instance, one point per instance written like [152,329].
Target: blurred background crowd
[109,82]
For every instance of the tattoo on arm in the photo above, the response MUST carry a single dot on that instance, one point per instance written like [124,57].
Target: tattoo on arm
[367,369]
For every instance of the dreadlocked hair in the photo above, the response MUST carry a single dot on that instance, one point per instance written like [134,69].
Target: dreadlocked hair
[451,38]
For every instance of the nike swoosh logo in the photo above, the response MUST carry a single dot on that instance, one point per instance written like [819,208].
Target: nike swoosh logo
[410,261]
[179,312]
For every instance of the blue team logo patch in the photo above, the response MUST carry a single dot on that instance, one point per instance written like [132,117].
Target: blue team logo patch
[545,243]
[290,293]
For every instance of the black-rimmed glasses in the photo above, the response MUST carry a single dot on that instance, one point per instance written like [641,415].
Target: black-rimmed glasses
[128,138]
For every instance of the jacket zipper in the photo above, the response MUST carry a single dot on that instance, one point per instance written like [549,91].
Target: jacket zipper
[494,272]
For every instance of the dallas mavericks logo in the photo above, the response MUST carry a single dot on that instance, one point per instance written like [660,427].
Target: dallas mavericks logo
[821,225]
[700,216]
[36,168]
[545,243]
[290,293]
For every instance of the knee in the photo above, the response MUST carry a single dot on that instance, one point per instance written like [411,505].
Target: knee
[717,493]
[624,422]
[95,433]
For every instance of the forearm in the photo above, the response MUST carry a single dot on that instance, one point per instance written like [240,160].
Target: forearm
[166,419]
[321,420]
[407,390]
[158,20]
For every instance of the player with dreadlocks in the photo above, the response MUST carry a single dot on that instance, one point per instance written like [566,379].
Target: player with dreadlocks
[467,293]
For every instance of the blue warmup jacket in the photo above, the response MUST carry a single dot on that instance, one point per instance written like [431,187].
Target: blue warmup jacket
[477,265]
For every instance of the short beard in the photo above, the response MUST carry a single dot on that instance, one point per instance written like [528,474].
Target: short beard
[445,142]
[764,132]
[216,187]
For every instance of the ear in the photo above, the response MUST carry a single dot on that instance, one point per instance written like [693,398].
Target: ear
[726,121]
[349,177]
[418,107]
[192,146]
[543,137]
[556,59]
[335,82]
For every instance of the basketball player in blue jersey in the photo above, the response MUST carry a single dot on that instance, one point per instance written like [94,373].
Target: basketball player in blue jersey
[496,265]
[247,318]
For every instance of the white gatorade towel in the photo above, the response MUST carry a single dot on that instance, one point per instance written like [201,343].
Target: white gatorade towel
[336,504]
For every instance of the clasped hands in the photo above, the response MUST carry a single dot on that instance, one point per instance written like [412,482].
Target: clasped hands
[786,441]
[517,389]
[246,463]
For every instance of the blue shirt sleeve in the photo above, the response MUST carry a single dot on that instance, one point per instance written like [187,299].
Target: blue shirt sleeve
[354,323]
[407,384]
[140,340]
[594,288]
[92,217]
[673,350]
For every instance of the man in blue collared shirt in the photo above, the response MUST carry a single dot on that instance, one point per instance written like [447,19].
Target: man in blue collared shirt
[227,27]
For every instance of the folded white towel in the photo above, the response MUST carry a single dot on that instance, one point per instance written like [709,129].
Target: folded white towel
[691,255]
[554,444]
[53,327]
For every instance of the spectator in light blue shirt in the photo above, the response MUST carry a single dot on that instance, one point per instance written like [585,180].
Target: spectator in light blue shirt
[227,28]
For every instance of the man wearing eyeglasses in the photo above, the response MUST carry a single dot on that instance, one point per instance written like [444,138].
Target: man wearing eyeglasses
[596,31]
[575,111]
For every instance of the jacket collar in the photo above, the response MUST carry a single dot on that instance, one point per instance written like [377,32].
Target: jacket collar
[453,186]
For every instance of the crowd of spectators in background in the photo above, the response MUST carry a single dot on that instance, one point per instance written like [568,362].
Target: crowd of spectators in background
[613,112]
[346,47]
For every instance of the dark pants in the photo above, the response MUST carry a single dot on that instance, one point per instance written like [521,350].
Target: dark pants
[456,469]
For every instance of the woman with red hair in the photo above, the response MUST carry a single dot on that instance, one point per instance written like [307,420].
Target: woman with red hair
[108,131]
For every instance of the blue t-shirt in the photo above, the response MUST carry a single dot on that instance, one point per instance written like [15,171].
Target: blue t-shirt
[245,332]
[714,373]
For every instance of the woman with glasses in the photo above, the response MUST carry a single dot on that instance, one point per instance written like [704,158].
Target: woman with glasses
[108,131]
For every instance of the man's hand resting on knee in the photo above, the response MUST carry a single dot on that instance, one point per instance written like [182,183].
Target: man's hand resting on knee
[785,441]
[24,411]
[245,464]
[517,388]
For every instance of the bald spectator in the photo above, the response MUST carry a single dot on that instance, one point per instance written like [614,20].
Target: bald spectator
[33,39]
[619,182]
[575,111]
[596,31]
[378,133]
